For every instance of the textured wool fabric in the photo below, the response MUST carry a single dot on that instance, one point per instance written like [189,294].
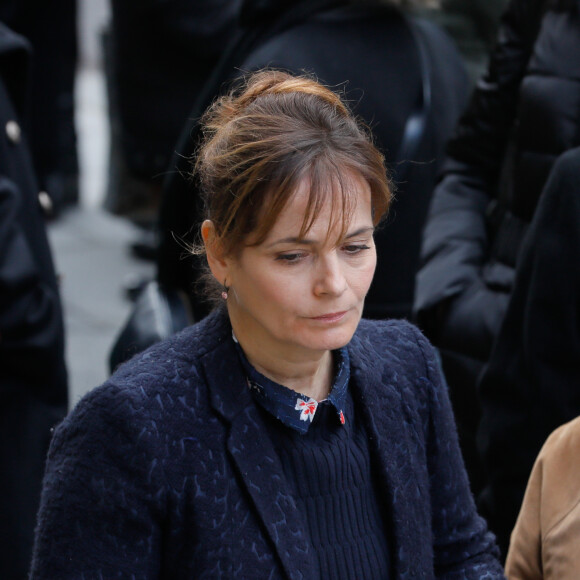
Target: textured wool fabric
[166,471]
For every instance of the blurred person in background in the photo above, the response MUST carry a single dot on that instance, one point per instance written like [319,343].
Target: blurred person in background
[158,56]
[523,114]
[531,383]
[33,381]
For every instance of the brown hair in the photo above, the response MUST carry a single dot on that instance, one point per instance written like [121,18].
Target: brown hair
[268,134]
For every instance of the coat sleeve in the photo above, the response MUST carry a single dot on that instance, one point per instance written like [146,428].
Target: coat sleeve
[101,506]
[463,545]
[30,314]
[454,304]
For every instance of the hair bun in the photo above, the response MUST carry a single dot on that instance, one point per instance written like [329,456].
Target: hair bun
[272,82]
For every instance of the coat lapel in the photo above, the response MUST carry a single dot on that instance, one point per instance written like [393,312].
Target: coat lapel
[258,464]
[399,451]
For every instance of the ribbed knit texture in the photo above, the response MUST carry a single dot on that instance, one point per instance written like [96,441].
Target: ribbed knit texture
[329,472]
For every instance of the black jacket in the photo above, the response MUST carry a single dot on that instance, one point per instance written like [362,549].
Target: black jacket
[375,52]
[50,28]
[522,115]
[532,382]
[33,385]
[31,339]
[159,54]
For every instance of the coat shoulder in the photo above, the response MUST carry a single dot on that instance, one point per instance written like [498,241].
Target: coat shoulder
[167,361]
[164,384]
[395,352]
[390,339]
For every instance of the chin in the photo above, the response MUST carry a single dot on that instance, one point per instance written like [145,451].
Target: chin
[335,339]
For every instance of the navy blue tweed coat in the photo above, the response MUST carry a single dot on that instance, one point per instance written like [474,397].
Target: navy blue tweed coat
[166,470]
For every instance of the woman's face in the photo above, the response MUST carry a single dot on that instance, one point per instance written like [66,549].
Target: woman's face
[290,294]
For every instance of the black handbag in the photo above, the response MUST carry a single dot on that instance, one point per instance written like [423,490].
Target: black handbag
[157,313]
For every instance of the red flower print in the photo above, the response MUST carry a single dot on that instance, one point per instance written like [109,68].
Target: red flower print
[306,408]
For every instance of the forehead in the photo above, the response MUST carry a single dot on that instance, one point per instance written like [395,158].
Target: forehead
[343,203]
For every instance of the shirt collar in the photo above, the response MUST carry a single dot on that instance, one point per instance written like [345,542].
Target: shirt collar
[294,409]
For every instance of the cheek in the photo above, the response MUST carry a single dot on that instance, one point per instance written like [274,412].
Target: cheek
[364,281]
[266,289]
[364,276]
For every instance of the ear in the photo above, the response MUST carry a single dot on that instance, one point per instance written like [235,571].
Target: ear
[218,264]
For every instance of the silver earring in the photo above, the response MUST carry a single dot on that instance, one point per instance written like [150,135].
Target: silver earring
[225,291]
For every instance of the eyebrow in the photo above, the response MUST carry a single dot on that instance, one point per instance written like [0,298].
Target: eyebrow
[302,241]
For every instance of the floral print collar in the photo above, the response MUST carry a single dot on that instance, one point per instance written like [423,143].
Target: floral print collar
[294,409]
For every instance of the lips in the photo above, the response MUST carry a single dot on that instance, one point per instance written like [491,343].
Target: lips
[330,317]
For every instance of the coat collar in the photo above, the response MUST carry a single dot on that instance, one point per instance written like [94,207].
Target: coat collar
[393,441]
[254,455]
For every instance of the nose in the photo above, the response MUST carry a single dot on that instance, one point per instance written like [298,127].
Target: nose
[329,276]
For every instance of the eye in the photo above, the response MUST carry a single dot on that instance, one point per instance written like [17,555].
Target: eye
[290,258]
[355,248]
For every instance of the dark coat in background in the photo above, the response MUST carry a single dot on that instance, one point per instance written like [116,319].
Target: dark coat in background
[524,113]
[403,77]
[158,56]
[162,54]
[33,384]
[532,383]
[168,471]
[51,29]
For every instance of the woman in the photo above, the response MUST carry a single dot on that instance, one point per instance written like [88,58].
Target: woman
[374,45]
[279,437]
[329,38]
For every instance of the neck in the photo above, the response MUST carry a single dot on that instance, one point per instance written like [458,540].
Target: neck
[309,374]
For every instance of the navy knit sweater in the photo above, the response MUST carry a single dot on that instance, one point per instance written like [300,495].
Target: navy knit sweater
[325,456]
[167,470]
[329,472]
